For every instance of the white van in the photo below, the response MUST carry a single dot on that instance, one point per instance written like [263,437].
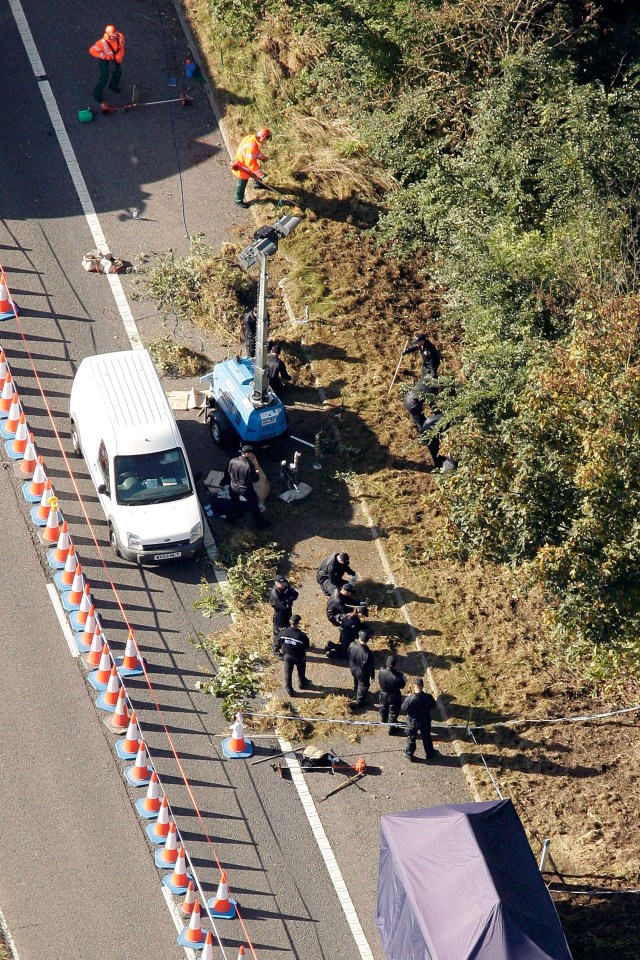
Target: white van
[122,424]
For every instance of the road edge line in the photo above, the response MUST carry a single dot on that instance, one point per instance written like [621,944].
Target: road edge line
[326,851]
[62,620]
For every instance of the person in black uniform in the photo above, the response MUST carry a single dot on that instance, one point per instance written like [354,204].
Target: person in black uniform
[418,706]
[415,399]
[293,643]
[276,370]
[243,473]
[391,681]
[249,329]
[351,625]
[332,571]
[429,351]
[340,603]
[281,598]
[363,668]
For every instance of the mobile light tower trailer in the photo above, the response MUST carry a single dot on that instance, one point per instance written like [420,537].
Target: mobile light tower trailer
[241,405]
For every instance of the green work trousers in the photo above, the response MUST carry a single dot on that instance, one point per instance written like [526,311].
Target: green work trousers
[104,77]
[241,189]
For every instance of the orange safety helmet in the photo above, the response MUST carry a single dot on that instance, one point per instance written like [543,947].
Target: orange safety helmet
[110,30]
[263,134]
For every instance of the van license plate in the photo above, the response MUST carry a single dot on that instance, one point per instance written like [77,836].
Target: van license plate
[166,556]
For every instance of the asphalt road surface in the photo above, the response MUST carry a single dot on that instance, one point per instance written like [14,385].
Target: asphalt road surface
[76,874]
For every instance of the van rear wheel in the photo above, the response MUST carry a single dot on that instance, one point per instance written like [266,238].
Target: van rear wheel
[113,540]
[75,439]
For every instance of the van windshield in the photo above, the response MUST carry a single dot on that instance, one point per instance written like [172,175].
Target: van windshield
[152,477]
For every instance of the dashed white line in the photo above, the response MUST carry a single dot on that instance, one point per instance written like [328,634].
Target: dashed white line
[326,851]
[177,920]
[74,170]
[62,620]
[4,929]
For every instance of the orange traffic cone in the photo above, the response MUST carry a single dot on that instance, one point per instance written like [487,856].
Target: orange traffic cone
[130,665]
[168,856]
[79,617]
[8,307]
[4,368]
[71,600]
[32,491]
[10,425]
[16,448]
[139,774]
[100,678]
[92,659]
[108,699]
[189,899]
[178,881]
[128,747]
[240,953]
[193,934]
[85,639]
[222,905]
[7,394]
[64,579]
[207,951]
[51,530]
[236,746]
[40,514]
[120,719]
[159,831]
[25,467]
[57,556]
[149,807]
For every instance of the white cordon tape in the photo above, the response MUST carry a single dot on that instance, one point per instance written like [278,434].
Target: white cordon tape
[586,718]
[8,939]
[74,170]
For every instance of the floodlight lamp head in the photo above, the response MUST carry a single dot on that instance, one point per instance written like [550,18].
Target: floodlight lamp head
[286,225]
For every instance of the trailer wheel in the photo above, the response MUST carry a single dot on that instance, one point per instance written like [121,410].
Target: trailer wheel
[221,430]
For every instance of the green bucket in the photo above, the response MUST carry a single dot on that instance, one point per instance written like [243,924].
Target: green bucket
[85,116]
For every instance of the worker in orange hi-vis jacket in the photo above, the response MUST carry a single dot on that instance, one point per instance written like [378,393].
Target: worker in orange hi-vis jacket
[108,49]
[246,163]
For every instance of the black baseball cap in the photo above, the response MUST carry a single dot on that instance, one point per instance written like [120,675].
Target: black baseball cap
[281,579]
[246,448]
[347,588]
[296,618]
[363,636]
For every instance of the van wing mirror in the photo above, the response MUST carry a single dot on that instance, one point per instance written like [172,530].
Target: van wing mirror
[102,488]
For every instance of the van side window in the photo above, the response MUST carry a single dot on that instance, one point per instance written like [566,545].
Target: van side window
[103,463]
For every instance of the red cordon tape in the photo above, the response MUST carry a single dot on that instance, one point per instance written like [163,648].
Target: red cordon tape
[116,595]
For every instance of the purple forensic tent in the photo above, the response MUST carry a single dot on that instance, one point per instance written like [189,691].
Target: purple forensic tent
[460,883]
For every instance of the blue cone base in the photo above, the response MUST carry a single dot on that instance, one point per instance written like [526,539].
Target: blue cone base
[227,915]
[101,705]
[30,497]
[7,434]
[62,587]
[232,754]
[95,683]
[127,671]
[39,522]
[12,453]
[68,604]
[10,314]
[75,623]
[162,864]
[177,890]
[122,753]
[55,564]
[137,783]
[145,814]
[82,646]
[159,841]
[183,942]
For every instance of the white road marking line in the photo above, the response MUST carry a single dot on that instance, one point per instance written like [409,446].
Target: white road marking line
[62,620]
[4,929]
[177,920]
[327,853]
[74,171]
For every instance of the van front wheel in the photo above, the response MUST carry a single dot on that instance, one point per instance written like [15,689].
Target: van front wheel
[75,439]
[113,540]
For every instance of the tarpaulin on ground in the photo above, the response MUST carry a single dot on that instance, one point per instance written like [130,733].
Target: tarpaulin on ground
[460,882]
